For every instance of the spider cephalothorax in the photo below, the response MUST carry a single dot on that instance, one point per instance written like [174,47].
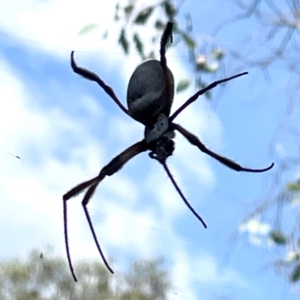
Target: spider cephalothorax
[149,98]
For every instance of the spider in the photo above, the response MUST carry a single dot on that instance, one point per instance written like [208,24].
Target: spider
[149,97]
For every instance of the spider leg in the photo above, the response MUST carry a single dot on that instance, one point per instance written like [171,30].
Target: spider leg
[181,194]
[93,77]
[112,167]
[225,161]
[201,92]
[166,36]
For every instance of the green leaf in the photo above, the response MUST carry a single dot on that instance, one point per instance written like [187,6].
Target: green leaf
[296,274]
[105,35]
[159,25]
[278,237]
[170,9]
[182,85]
[88,28]
[294,186]
[123,41]
[218,54]
[143,16]
[138,44]
[188,40]
[201,85]
[128,10]
[117,12]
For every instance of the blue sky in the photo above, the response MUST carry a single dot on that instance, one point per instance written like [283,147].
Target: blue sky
[65,129]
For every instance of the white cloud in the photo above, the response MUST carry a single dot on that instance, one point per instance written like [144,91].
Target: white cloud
[55,23]
[257,230]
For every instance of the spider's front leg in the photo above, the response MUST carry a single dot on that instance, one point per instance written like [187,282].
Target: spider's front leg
[115,165]
[167,36]
[201,92]
[224,160]
[87,74]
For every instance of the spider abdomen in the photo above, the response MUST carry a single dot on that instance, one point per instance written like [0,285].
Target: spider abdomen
[149,93]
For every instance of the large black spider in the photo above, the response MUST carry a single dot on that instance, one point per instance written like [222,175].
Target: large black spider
[149,99]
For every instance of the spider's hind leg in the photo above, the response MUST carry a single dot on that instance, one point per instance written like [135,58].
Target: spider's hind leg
[111,168]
